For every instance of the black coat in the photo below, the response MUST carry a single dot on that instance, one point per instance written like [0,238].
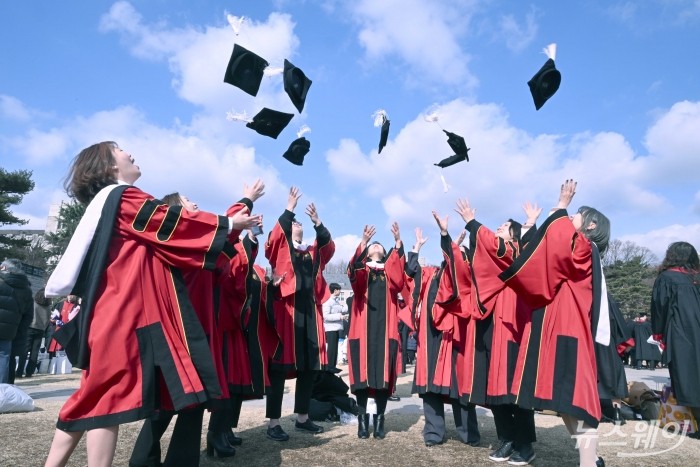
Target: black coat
[16,303]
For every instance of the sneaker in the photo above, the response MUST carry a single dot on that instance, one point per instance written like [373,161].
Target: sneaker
[276,433]
[393,398]
[523,456]
[308,426]
[503,453]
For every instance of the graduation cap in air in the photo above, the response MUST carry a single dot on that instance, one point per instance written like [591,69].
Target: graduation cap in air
[296,85]
[380,119]
[299,148]
[245,70]
[546,81]
[460,148]
[270,122]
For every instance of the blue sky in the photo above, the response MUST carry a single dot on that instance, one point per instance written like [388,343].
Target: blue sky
[625,122]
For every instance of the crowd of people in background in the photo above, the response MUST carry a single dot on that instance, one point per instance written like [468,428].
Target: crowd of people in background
[515,319]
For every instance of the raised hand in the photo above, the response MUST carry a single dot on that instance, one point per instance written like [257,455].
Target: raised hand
[293,198]
[420,240]
[367,234]
[532,211]
[276,280]
[313,214]
[465,210]
[442,223]
[396,233]
[241,220]
[566,193]
[254,192]
[462,236]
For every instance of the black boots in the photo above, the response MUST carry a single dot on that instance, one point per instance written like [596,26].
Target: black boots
[379,426]
[218,445]
[363,426]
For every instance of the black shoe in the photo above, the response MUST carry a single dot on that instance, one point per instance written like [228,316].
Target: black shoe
[378,421]
[474,443]
[394,398]
[600,462]
[335,370]
[217,445]
[430,443]
[503,453]
[233,440]
[308,426]
[523,456]
[694,435]
[363,426]
[277,434]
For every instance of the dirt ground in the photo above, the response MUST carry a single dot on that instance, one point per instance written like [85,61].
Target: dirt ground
[25,438]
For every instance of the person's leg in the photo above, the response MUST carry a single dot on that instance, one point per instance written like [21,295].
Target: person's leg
[381,397]
[302,396]
[434,414]
[232,421]
[33,342]
[146,449]
[5,350]
[466,423]
[22,351]
[332,351]
[361,396]
[62,446]
[186,439]
[586,440]
[101,443]
[273,400]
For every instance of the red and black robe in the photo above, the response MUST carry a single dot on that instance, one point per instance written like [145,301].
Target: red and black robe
[297,307]
[437,323]
[556,367]
[134,295]
[496,307]
[373,337]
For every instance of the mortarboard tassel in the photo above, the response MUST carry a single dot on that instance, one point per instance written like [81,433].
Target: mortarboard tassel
[379,117]
[273,71]
[445,186]
[303,130]
[550,51]
[230,116]
[235,22]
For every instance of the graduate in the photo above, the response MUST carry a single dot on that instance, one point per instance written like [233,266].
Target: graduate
[675,320]
[377,279]
[496,307]
[437,316]
[297,312]
[124,261]
[556,368]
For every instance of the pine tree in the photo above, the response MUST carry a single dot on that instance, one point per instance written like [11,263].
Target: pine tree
[13,187]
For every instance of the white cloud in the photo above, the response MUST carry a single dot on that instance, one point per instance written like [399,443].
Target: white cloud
[345,246]
[41,147]
[658,240]
[425,35]
[12,108]
[517,36]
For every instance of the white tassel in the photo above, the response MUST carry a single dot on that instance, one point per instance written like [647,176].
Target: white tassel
[230,116]
[235,22]
[303,130]
[273,71]
[432,117]
[379,117]
[550,51]
[445,186]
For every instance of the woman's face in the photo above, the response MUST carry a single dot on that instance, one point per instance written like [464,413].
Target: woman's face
[504,232]
[577,220]
[297,231]
[376,251]
[188,205]
[127,171]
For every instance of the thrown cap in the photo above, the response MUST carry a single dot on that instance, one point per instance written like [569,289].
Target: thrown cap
[296,85]
[546,81]
[245,70]
[459,146]
[270,122]
[297,150]
[384,136]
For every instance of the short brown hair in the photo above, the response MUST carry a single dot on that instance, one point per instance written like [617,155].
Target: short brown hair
[91,170]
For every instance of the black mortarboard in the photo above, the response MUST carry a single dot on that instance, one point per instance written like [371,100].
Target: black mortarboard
[296,85]
[457,144]
[452,160]
[297,150]
[384,135]
[245,70]
[545,83]
[270,122]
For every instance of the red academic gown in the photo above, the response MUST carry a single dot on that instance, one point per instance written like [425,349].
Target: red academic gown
[496,305]
[297,307]
[65,314]
[373,337]
[437,324]
[141,303]
[556,367]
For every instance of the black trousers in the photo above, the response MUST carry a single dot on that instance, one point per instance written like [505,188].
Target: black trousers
[465,419]
[514,423]
[302,395]
[332,341]
[184,444]
[381,397]
[225,419]
[34,337]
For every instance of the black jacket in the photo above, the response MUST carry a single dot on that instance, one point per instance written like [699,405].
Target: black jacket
[16,302]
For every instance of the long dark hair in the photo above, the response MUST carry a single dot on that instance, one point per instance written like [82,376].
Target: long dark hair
[681,255]
[173,199]
[600,235]
[91,170]
[516,229]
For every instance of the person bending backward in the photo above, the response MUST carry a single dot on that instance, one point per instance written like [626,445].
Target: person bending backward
[501,313]
[373,340]
[675,320]
[298,317]
[129,244]
[437,318]
[554,275]
[186,438]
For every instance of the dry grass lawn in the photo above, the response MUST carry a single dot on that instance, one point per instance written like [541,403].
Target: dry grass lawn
[25,438]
